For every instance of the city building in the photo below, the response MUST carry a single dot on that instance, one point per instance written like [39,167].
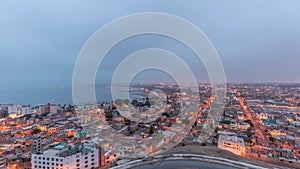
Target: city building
[2,162]
[265,116]
[83,155]
[232,143]
[48,108]
[37,144]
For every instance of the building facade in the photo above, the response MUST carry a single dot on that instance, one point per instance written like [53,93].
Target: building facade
[79,156]
[232,143]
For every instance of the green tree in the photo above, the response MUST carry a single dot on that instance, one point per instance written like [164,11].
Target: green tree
[118,102]
[109,116]
[249,133]
[127,121]
[226,122]
[151,130]
[247,140]
[126,101]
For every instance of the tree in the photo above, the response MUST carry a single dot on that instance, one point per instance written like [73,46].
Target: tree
[27,116]
[118,102]
[134,102]
[249,133]
[247,140]
[147,102]
[226,122]
[126,101]
[151,130]
[250,122]
[36,131]
[33,127]
[44,114]
[109,116]
[272,139]
[165,114]
[127,121]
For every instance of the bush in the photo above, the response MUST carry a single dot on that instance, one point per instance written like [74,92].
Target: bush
[109,116]
[226,122]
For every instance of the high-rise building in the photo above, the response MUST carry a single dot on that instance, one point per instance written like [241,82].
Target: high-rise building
[48,108]
[37,144]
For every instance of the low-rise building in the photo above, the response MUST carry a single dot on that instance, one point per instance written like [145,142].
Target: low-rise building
[232,143]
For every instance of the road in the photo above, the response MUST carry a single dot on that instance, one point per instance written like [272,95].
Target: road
[258,128]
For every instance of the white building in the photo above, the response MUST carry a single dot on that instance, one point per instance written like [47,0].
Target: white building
[14,109]
[18,110]
[37,144]
[265,116]
[232,143]
[63,156]
[26,109]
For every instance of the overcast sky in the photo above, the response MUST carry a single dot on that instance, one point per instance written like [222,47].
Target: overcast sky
[39,41]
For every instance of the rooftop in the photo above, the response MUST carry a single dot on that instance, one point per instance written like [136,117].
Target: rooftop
[64,149]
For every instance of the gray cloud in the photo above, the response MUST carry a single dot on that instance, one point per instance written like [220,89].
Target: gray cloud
[40,41]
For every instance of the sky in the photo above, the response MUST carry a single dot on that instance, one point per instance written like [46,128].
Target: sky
[257,41]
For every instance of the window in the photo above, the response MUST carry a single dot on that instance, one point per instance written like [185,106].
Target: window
[86,166]
[86,162]
[92,163]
